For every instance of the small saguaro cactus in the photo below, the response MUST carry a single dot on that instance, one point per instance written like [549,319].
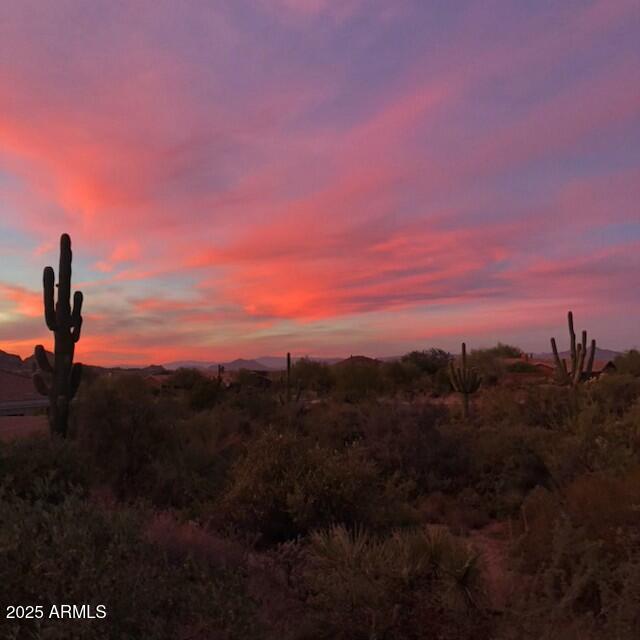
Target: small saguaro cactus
[578,371]
[60,380]
[464,380]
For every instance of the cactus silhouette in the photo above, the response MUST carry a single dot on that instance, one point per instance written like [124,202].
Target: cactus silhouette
[288,377]
[60,380]
[578,371]
[464,380]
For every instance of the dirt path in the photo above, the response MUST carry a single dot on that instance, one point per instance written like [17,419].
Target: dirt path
[493,542]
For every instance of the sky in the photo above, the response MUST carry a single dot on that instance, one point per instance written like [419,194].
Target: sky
[248,177]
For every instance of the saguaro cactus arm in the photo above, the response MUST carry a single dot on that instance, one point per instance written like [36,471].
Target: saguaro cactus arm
[76,317]
[48,286]
[592,355]
[561,365]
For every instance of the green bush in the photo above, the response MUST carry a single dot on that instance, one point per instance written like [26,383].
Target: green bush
[521,367]
[628,363]
[582,550]
[186,378]
[505,466]
[205,394]
[286,485]
[125,430]
[407,440]
[551,407]
[254,403]
[542,406]
[401,375]
[488,363]
[356,381]
[615,393]
[75,552]
[193,474]
[362,586]
[429,361]
[49,468]
[310,375]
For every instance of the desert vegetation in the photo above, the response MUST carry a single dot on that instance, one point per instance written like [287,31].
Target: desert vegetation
[361,500]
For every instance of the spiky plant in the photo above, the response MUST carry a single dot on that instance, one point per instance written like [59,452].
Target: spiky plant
[578,372]
[464,380]
[60,380]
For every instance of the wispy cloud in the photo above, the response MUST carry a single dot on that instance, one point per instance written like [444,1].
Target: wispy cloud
[240,175]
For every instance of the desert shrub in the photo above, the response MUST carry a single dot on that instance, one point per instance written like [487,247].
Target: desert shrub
[193,474]
[75,552]
[286,485]
[583,553]
[311,375]
[333,424]
[125,430]
[256,404]
[429,361]
[407,440]
[364,586]
[544,406]
[401,439]
[550,406]
[604,507]
[502,350]
[628,363]
[615,393]
[489,364]
[505,466]
[48,468]
[356,381]
[186,378]
[499,406]
[401,375]
[603,440]
[440,383]
[205,394]
[521,367]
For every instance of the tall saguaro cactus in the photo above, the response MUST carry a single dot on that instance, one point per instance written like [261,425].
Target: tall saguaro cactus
[578,371]
[464,380]
[60,381]
[288,377]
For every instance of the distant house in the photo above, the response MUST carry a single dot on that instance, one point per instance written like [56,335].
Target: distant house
[600,367]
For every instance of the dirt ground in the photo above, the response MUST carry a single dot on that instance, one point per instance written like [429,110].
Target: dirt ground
[492,542]
[12,427]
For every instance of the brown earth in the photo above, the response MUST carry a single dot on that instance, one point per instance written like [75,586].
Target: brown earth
[493,543]
[13,427]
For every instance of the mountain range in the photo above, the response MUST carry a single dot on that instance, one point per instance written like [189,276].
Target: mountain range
[601,354]
[12,362]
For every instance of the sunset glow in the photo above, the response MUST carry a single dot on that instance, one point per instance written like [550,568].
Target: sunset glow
[243,178]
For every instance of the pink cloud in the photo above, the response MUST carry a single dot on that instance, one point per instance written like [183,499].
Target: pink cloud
[275,196]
